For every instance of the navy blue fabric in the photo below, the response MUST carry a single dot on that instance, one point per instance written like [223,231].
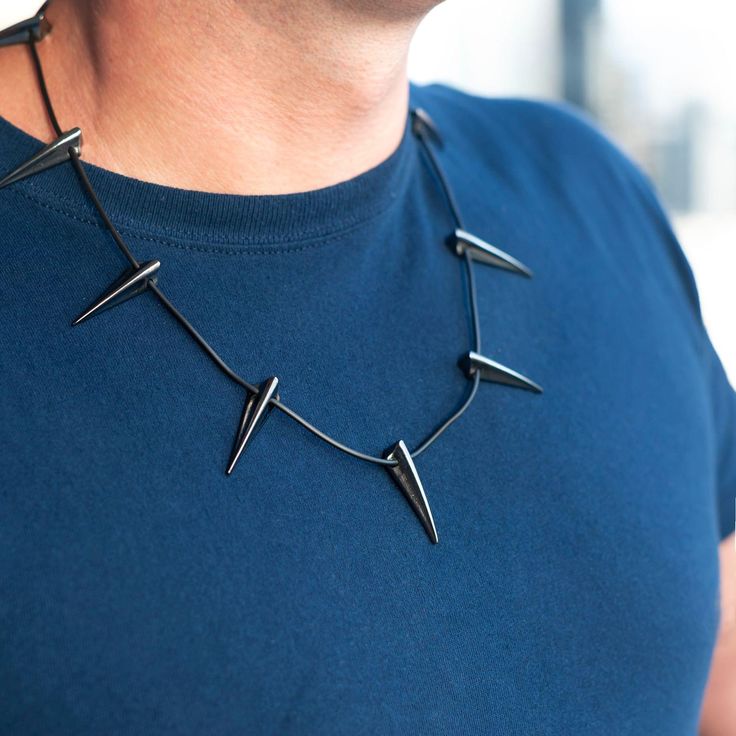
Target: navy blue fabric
[574,587]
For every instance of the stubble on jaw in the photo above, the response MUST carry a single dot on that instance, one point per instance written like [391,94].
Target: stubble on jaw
[377,10]
[391,9]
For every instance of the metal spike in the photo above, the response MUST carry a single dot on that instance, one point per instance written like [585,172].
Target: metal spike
[33,28]
[487,253]
[406,477]
[490,370]
[53,154]
[130,284]
[423,126]
[254,414]
[244,417]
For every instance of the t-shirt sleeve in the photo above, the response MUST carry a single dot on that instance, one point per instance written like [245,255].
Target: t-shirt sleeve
[720,394]
[723,408]
[716,393]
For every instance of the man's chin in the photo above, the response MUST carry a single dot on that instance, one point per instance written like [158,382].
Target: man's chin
[392,9]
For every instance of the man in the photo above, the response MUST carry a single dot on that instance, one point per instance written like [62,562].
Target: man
[261,153]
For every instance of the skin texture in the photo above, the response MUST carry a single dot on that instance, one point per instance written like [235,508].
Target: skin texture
[719,708]
[246,96]
[253,97]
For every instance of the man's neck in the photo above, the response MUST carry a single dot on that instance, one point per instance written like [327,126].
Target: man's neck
[249,97]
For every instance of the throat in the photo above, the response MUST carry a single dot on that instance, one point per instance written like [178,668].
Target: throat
[241,98]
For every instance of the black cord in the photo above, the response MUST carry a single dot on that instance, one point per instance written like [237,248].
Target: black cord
[444,183]
[451,420]
[230,373]
[442,180]
[82,174]
[76,163]
[473,298]
[42,85]
[208,349]
[212,353]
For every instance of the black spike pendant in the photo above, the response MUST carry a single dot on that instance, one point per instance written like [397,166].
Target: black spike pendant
[52,154]
[254,414]
[423,126]
[486,253]
[406,477]
[31,29]
[495,372]
[130,284]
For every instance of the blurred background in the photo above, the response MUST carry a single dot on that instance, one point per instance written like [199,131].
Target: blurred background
[658,76]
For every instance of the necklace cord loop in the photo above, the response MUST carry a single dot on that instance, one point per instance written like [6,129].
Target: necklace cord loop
[449,197]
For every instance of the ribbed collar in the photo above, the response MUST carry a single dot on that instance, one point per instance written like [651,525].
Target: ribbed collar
[137,206]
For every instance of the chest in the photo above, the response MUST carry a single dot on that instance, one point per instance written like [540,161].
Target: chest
[301,595]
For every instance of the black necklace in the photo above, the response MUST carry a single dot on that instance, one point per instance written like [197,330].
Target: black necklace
[261,399]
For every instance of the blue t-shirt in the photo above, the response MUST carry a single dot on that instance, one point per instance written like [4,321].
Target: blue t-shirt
[574,588]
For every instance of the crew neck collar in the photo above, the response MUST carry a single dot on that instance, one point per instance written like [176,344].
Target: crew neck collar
[140,207]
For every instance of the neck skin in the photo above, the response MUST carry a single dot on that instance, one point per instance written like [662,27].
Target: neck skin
[238,96]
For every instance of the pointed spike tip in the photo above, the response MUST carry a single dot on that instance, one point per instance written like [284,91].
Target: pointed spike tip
[244,416]
[494,372]
[129,285]
[254,414]
[484,252]
[52,154]
[405,475]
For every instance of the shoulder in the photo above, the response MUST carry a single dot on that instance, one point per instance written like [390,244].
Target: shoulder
[552,156]
[542,136]
[451,102]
